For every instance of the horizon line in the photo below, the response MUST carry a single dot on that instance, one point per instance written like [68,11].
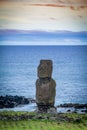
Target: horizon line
[25,30]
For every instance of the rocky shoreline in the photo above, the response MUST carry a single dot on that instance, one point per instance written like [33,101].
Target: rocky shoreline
[76,105]
[9,101]
[72,108]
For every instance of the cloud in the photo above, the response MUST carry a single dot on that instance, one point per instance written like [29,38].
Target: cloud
[45,15]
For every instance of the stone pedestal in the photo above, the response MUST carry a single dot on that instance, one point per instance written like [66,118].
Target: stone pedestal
[45,86]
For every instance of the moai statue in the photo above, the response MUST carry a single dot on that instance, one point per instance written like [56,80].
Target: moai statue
[45,86]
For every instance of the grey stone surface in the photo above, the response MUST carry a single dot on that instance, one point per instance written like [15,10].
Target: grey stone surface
[45,86]
[45,69]
[45,91]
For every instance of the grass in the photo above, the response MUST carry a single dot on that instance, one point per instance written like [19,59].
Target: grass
[43,124]
[13,113]
[40,125]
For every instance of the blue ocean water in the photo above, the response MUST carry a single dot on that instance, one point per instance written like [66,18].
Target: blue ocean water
[18,71]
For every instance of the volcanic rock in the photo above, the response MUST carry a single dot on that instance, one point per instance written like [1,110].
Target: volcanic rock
[45,86]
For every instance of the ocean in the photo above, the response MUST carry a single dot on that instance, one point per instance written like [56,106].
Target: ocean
[18,71]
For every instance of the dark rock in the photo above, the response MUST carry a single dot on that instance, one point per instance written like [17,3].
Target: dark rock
[68,110]
[9,101]
[80,105]
[12,104]
[77,106]
[85,111]
[26,101]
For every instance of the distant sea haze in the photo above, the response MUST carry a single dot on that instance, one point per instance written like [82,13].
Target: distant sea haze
[18,71]
[21,37]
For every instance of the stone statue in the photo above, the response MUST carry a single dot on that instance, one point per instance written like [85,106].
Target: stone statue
[45,86]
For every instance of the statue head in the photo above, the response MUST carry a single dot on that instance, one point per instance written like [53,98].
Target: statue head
[45,69]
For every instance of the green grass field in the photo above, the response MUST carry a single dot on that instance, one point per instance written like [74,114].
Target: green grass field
[40,125]
[43,124]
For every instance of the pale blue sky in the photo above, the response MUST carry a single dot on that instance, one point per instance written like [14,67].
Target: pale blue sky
[48,16]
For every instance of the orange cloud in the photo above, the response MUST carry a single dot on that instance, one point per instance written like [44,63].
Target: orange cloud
[73,7]
[50,5]
[77,7]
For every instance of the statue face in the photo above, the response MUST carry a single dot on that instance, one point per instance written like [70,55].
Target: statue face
[45,69]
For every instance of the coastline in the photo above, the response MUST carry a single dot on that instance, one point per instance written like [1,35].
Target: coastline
[21,103]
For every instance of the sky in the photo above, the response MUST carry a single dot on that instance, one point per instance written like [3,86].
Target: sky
[43,15]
